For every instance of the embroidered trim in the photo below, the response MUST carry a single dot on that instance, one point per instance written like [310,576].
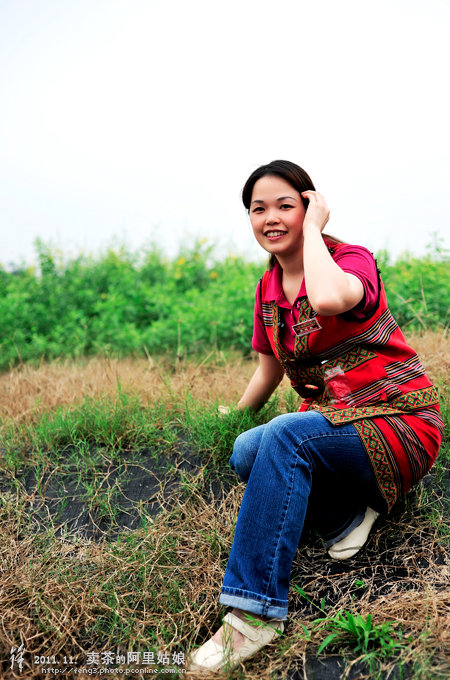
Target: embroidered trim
[267,314]
[383,462]
[412,401]
[301,341]
[299,372]
[352,359]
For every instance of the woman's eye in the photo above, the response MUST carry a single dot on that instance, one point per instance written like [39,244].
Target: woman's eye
[257,209]
[286,205]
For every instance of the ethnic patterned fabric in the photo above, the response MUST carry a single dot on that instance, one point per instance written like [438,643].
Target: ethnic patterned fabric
[401,448]
[364,372]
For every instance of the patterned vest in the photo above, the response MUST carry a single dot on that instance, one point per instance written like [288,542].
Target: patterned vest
[364,372]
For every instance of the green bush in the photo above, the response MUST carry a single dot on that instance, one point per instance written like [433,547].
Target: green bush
[418,288]
[124,303]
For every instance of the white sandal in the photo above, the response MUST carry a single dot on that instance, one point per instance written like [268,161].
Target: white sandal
[212,657]
[351,544]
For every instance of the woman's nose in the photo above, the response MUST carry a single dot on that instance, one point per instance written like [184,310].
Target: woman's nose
[272,217]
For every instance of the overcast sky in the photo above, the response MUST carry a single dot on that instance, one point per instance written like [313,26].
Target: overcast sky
[140,120]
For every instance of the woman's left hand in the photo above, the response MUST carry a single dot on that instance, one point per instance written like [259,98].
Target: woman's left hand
[317,213]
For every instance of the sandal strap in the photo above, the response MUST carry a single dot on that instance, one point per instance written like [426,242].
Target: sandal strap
[250,632]
[253,633]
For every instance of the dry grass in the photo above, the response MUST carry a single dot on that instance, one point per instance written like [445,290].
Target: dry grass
[157,587]
[26,391]
[54,591]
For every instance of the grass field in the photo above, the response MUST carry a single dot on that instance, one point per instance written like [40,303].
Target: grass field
[117,514]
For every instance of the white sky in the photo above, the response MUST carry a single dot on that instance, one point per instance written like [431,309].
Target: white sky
[141,119]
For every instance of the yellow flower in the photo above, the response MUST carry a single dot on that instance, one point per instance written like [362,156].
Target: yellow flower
[213,275]
[181,261]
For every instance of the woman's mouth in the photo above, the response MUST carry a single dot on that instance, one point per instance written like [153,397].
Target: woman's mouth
[274,234]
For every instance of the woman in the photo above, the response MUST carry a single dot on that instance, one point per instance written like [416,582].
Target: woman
[369,426]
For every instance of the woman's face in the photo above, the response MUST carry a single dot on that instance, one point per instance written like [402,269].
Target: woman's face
[276,214]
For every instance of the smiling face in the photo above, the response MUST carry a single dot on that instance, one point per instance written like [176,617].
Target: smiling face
[276,214]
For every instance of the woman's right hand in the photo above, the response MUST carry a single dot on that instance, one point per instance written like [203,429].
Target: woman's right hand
[318,212]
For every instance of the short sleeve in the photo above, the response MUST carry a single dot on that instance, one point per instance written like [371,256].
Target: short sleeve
[360,262]
[260,341]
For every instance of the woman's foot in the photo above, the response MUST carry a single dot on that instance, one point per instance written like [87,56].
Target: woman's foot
[227,635]
[236,640]
[351,544]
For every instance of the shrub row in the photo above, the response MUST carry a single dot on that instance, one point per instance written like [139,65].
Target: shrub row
[122,302]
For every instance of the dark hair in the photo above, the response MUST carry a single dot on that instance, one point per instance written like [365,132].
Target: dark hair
[291,173]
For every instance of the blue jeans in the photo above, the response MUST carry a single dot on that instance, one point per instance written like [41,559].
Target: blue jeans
[294,465]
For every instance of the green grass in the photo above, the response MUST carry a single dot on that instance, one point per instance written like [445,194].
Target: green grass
[361,635]
[112,423]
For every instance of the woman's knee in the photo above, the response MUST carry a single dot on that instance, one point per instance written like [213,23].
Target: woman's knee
[244,453]
[281,435]
[284,431]
[286,438]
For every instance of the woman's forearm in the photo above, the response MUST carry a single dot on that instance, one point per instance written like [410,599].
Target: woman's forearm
[262,384]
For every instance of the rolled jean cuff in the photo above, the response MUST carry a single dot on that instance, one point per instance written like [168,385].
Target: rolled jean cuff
[254,604]
[359,517]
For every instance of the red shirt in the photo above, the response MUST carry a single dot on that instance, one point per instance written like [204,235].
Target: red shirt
[355,260]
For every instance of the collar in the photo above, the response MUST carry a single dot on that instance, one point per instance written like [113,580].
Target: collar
[274,289]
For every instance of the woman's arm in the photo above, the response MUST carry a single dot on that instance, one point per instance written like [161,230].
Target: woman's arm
[330,290]
[264,381]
